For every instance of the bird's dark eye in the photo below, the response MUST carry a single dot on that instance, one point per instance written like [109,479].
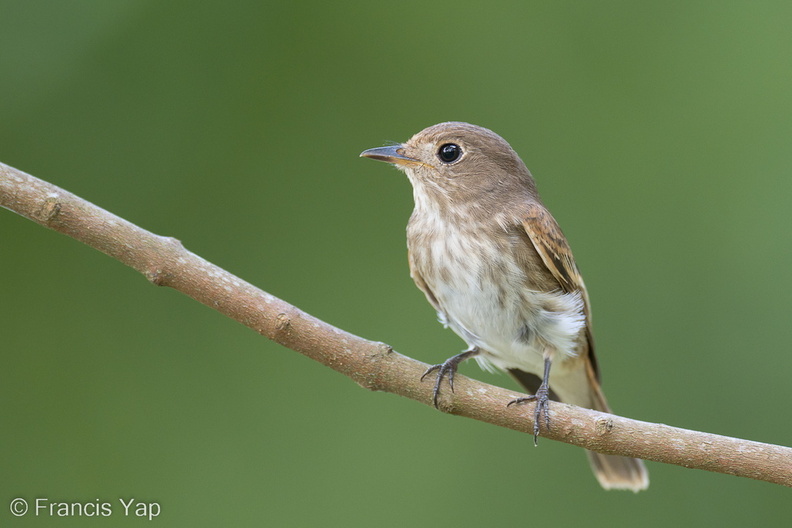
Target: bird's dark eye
[449,152]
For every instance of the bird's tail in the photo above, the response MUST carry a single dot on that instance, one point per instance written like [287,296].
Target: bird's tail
[613,471]
[581,388]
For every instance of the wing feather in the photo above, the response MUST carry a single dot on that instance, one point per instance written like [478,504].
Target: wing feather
[553,248]
[550,242]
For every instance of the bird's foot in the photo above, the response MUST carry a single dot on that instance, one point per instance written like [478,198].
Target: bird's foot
[447,369]
[541,409]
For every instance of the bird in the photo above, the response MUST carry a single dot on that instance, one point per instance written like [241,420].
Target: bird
[495,265]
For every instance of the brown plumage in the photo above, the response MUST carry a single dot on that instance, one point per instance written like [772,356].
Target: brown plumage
[493,262]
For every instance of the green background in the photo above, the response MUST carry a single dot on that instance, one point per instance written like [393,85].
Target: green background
[659,134]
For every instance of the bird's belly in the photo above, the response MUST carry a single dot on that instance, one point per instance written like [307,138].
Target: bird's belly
[489,299]
[513,326]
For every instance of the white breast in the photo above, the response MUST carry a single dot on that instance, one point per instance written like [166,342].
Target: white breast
[484,297]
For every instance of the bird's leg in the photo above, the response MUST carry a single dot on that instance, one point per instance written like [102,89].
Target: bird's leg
[542,409]
[447,369]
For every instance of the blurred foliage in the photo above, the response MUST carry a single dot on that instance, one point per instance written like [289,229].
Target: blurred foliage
[659,134]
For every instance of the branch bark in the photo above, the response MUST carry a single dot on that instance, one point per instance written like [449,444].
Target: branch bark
[375,366]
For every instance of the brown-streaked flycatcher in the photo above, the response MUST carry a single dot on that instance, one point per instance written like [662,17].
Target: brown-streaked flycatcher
[493,262]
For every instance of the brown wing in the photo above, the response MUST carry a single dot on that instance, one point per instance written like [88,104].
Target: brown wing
[552,246]
[612,471]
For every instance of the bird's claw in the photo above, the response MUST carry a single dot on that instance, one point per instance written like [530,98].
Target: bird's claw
[541,409]
[447,369]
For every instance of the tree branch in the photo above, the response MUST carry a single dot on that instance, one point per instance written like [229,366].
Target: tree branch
[375,366]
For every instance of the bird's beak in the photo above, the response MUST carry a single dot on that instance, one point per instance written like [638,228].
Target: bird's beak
[390,154]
